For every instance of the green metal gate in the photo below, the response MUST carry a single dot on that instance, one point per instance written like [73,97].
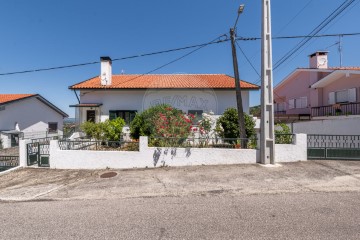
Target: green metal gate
[342,147]
[38,153]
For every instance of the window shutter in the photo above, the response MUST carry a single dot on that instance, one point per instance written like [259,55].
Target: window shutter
[291,103]
[352,95]
[331,99]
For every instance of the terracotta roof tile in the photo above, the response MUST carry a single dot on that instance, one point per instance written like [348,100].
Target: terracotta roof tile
[177,81]
[4,98]
[344,68]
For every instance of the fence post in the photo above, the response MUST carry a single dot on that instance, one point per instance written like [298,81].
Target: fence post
[23,152]
[53,150]
[143,143]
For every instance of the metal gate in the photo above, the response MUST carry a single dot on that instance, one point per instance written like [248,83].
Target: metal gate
[342,147]
[38,153]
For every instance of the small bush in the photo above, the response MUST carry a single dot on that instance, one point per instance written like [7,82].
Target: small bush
[110,130]
[282,134]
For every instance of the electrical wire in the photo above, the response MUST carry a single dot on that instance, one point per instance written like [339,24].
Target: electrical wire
[175,60]
[247,59]
[116,59]
[295,16]
[317,29]
[172,50]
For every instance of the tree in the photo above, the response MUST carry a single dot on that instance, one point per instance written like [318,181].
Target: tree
[227,125]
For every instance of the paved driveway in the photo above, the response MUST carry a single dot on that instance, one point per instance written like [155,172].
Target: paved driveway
[312,176]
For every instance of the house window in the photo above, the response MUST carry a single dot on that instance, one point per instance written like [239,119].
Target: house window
[197,114]
[52,127]
[298,103]
[343,96]
[2,108]
[280,107]
[127,115]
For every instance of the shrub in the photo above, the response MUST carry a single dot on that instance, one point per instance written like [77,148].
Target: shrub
[161,121]
[110,130]
[282,134]
[228,127]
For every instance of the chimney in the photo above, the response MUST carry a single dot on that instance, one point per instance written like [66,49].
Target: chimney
[106,71]
[319,60]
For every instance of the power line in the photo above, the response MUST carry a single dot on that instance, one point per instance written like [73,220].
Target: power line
[247,59]
[173,50]
[175,60]
[295,16]
[317,29]
[116,59]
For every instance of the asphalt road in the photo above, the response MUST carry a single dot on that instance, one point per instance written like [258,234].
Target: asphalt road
[214,216]
[305,200]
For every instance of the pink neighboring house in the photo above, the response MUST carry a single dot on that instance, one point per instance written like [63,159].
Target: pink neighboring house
[319,91]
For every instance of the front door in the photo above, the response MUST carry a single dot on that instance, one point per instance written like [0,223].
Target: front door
[90,115]
[14,140]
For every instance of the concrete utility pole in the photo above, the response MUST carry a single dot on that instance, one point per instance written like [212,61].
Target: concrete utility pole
[267,136]
[241,119]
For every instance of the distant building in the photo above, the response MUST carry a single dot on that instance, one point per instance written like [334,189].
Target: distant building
[319,91]
[28,115]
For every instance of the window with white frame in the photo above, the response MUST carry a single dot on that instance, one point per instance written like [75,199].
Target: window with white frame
[298,103]
[343,96]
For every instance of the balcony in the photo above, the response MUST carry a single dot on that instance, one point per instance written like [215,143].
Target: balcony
[340,109]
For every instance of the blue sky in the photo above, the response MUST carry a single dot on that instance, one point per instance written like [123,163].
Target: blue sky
[42,33]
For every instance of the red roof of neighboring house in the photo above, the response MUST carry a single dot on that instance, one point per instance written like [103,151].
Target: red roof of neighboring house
[220,81]
[9,98]
[4,98]
[344,68]
[332,68]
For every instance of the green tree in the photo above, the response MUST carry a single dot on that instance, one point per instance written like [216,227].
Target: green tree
[228,127]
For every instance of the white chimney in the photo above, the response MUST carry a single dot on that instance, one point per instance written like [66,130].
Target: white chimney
[319,59]
[106,71]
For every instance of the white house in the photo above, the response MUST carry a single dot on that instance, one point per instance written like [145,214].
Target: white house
[110,96]
[28,115]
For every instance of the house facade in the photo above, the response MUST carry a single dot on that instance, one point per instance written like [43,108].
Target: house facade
[29,116]
[109,96]
[319,91]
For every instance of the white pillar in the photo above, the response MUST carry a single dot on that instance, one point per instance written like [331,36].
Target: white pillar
[23,152]
[267,139]
[143,143]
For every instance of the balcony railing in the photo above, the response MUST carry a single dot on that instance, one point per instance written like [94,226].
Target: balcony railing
[341,109]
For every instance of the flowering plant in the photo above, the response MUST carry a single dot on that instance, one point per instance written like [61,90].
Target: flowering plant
[173,124]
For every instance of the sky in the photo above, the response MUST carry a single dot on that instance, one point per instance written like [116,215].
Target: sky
[47,33]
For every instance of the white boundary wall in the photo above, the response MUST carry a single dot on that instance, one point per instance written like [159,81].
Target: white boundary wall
[340,125]
[150,157]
